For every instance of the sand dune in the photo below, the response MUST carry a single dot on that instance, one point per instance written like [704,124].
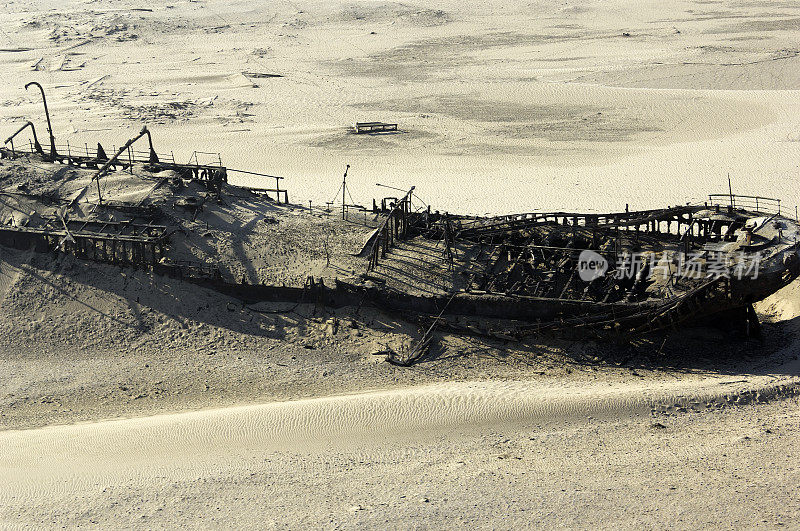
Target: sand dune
[110,451]
[48,470]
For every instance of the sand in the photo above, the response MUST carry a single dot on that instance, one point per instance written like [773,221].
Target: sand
[127,400]
[469,454]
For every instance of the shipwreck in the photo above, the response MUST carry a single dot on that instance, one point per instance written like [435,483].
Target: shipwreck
[605,276]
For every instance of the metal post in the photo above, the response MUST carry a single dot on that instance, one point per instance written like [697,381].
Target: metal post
[344,188]
[730,191]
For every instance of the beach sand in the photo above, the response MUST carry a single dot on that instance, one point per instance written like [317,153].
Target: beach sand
[128,400]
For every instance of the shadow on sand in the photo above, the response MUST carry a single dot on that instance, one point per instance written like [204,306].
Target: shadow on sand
[697,350]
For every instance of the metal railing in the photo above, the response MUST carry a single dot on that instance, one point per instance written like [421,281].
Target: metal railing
[394,227]
[751,203]
[83,151]
[216,159]
[131,155]
[264,190]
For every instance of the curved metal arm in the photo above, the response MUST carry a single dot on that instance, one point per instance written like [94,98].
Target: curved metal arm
[47,114]
[153,156]
[36,144]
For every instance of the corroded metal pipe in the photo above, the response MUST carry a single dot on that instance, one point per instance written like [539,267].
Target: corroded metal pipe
[153,156]
[53,153]
[105,167]
[36,145]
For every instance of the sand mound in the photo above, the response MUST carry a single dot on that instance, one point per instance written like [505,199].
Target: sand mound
[783,305]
